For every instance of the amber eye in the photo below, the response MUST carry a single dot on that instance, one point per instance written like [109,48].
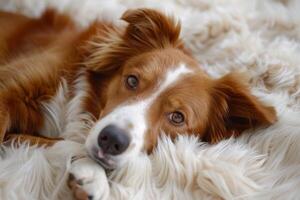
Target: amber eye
[176,118]
[132,82]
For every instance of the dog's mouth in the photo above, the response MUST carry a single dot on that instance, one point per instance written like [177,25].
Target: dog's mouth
[104,160]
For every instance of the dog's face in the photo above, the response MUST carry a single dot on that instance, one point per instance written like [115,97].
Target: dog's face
[155,87]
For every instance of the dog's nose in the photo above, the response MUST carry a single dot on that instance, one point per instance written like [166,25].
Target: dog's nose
[113,140]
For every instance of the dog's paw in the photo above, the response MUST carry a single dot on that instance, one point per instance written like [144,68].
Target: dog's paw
[88,180]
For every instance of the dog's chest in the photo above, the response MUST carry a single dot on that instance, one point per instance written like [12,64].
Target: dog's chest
[55,112]
[64,116]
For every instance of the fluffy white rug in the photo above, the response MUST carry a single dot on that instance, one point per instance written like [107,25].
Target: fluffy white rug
[260,38]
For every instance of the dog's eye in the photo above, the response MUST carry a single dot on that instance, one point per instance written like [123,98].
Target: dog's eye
[132,82]
[176,118]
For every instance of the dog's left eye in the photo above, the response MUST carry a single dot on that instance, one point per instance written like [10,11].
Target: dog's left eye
[132,82]
[176,118]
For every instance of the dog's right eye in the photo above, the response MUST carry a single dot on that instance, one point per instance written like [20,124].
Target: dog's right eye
[176,118]
[132,82]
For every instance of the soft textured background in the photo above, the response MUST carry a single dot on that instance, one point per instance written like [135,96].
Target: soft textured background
[258,37]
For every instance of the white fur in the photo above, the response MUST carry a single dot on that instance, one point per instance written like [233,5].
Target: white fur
[65,116]
[92,176]
[258,37]
[54,112]
[78,122]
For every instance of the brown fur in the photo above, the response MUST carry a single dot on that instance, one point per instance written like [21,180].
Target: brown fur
[36,53]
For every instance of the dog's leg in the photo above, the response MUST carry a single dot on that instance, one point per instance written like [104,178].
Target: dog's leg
[87,179]
[17,139]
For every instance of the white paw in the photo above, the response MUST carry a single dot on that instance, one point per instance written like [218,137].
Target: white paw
[88,180]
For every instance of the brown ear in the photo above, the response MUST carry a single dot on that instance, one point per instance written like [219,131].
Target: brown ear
[234,110]
[105,50]
[150,29]
[109,47]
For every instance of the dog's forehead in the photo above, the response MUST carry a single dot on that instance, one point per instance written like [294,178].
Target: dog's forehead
[161,61]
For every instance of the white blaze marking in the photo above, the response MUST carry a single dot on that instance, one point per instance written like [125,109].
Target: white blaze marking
[171,77]
[132,117]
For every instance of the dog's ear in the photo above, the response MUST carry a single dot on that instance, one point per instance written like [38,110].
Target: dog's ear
[109,47]
[234,110]
[148,29]
[105,50]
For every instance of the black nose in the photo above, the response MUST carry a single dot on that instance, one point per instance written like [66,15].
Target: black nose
[113,140]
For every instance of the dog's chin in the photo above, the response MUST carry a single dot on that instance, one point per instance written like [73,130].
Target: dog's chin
[105,161]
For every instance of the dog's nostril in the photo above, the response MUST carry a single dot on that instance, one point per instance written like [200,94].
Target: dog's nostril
[104,138]
[117,147]
[113,140]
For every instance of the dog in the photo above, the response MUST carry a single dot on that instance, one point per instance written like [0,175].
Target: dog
[133,82]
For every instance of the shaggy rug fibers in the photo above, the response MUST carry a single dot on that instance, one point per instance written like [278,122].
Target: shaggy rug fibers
[258,38]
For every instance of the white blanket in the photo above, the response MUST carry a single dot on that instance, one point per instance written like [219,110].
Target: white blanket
[258,37]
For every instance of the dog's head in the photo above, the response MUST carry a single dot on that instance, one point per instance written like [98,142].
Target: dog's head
[155,87]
